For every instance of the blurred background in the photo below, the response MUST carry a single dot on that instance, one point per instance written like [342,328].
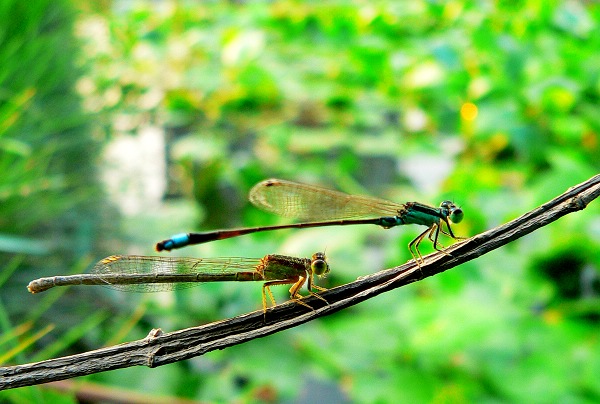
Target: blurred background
[125,122]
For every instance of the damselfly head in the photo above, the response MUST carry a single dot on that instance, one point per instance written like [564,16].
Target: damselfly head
[319,265]
[453,212]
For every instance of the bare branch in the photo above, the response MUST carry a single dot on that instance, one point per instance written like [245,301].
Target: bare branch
[161,348]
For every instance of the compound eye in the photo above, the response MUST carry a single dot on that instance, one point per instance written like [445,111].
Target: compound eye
[319,266]
[456,215]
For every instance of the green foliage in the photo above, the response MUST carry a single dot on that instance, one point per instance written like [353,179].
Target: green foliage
[47,186]
[492,105]
[45,145]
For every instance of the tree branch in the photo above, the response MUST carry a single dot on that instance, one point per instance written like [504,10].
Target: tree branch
[162,348]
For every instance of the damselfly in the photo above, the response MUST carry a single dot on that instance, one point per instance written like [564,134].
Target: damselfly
[153,274]
[325,207]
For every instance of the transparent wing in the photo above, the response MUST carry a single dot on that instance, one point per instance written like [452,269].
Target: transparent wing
[309,202]
[175,270]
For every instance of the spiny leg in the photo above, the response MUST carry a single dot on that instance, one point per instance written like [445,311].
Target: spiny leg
[295,296]
[434,240]
[416,243]
[435,229]
[264,299]
[450,233]
[297,284]
[311,285]
[267,289]
[416,256]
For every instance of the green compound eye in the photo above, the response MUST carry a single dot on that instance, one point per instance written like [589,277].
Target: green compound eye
[456,215]
[319,265]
